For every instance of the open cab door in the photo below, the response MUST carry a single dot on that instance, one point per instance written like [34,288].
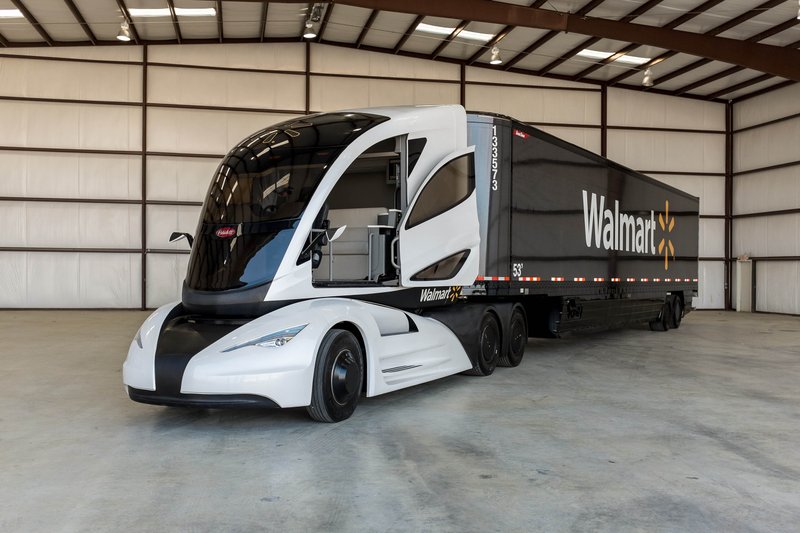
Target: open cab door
[439,237]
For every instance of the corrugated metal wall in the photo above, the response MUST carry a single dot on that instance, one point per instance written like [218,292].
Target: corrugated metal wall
[107,150]
[766,195]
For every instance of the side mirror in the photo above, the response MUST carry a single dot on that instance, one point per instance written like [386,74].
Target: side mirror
[337,233]
[178,235]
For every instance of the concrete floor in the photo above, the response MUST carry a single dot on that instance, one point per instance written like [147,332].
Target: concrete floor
[696,429]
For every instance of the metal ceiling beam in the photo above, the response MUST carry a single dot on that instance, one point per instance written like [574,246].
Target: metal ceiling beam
[174,17]
[263,26]
[449,39]
[82,21]
[752,81]
[445,59]
[631,47]
[220,28]
[719,29]
[127,16]
[324,23]
[549,36]
[647,6]
[765,90]
[711,34]
[733,70]
[366,28]
[739,86]
[718,76]
[407,35]
[3,40]
[33,22]
[751,55]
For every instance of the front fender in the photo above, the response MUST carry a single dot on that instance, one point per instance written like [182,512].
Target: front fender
[284,374]
[138,370]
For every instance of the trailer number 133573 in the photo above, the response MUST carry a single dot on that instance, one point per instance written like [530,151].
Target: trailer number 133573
[495,163]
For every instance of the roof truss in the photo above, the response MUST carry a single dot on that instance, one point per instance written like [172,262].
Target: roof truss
[750,53]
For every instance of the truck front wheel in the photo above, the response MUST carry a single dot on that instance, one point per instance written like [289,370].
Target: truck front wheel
[337,377]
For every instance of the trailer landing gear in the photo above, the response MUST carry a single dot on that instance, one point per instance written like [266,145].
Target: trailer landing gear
[337,377]
[670,316]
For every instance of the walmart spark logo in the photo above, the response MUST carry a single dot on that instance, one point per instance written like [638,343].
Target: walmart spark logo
[665,246]
[455,294]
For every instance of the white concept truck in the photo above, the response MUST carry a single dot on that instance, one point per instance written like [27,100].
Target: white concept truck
[365,251]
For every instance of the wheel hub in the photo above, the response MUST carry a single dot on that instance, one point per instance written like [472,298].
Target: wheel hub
[488,344]
[345,379]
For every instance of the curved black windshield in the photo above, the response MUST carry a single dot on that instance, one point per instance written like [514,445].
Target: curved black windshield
[258,194]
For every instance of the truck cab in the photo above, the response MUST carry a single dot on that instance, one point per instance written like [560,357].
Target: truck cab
[385,178]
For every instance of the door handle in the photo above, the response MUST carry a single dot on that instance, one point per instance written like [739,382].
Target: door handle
[393,255]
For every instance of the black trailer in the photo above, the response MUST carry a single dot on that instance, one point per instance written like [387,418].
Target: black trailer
[579,240]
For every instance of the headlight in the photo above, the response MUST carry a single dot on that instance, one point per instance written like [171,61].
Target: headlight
[138,339]
[273,340]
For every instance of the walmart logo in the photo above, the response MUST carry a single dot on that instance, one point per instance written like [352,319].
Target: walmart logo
[665,246]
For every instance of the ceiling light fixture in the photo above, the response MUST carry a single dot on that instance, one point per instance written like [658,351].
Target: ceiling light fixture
[138,12]
[314,16]
[596,54]
[647,81]
[10,14]
[196,11]
[464,34]
[124,32]
[495,60]
[310,32]
[143,12]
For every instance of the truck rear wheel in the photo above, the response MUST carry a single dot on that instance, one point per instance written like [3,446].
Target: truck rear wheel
[338,375]
[517,339]
[489,345]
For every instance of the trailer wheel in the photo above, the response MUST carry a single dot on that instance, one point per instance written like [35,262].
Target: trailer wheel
[663,320]
[337,377]
[517,339]
[489,345]
[677,313]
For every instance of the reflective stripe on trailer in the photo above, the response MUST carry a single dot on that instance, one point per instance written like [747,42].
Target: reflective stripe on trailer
[581,279]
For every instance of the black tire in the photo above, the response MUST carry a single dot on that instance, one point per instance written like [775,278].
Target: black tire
[677,313]
[489,346]
[517,339]
[338,376]
[663,320]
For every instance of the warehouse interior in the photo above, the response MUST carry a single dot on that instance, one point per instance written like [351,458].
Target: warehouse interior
[107,146]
